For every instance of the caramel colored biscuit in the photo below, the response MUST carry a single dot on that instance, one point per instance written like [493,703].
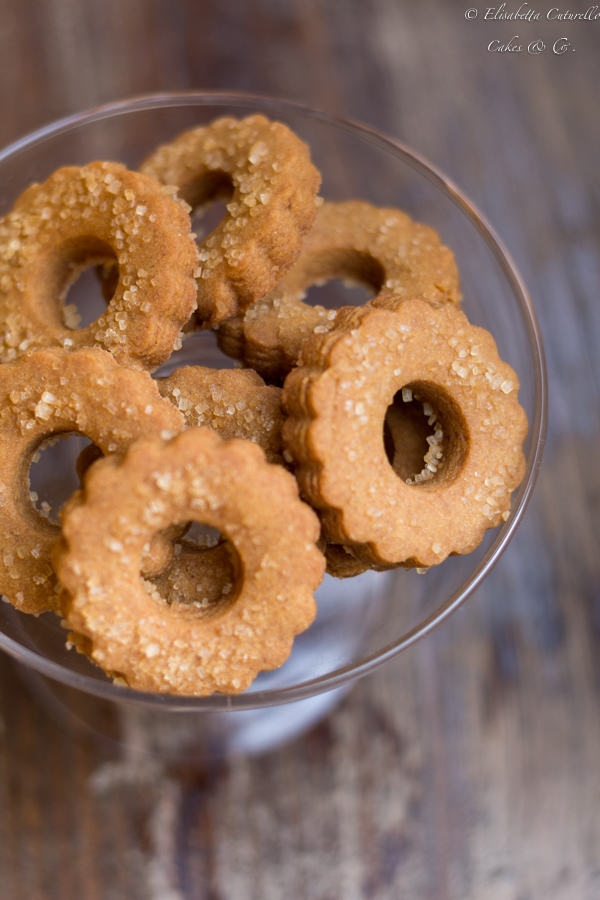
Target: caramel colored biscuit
[80,216]
[267,172]
[337,404]
[233,402]
[48,393]
[182,647]
[378,247]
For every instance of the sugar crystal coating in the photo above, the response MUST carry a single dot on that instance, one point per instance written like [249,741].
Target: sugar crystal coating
[272,182]
[337,402]
[188,647]
[44,395]
[155,607]
[379,247]
[87,215]
[232,402]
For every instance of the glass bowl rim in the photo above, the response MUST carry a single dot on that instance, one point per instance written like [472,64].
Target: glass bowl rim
[330,681]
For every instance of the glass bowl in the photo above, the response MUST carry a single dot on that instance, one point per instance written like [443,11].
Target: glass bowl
[361,622]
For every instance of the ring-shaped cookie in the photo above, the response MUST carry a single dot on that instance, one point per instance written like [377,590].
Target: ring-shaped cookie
[101,211]
[337,403]
[378,247]
[233,402]
[180,648]
[267,169]
[45,394]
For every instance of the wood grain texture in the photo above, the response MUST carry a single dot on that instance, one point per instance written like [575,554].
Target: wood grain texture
[470,767]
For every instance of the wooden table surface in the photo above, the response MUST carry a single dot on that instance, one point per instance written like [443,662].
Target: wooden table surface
[470,767]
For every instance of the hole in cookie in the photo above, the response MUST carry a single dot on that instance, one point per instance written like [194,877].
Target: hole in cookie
[405,436]
[337,293]
[87,280]
[199,349]
[209,187]
[203,574]
[88,455]
[208,197]
[203,537]
[424,435]
[107,274]
[343,277]
[53,475]
[206,218]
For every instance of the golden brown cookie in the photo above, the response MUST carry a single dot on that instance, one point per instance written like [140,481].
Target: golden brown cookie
[188,647]
[79,216]
[337,403]
[267,172]
[49,393]
[378,247]
[233,402]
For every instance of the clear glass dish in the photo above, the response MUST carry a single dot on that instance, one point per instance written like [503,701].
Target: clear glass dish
[362,622]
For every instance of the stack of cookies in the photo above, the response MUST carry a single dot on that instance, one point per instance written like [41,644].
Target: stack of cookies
[377,436]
